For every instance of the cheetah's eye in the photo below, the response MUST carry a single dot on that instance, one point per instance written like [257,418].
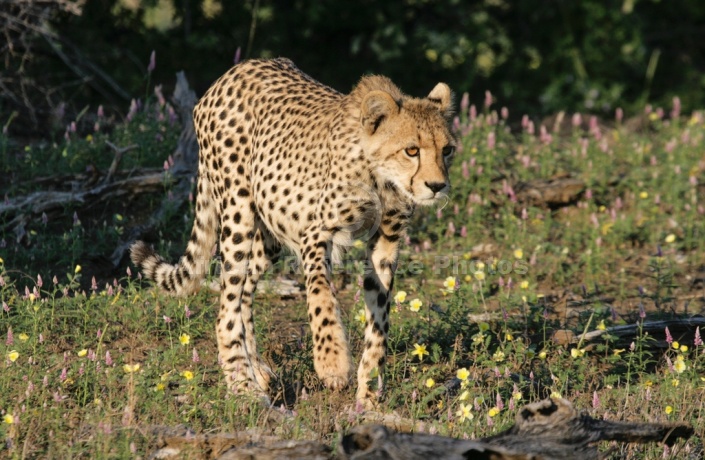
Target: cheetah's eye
[412,151]
[448,150]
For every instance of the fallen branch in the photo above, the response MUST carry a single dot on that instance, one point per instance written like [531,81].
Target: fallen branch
[184,168]
[682,330]
[546,430]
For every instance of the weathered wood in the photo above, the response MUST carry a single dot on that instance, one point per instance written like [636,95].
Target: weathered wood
[546,430]
[555,192]
[46,201]
[183,170]
[681,329]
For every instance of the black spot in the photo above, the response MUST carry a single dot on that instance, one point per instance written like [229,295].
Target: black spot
[381,299]
[370,284]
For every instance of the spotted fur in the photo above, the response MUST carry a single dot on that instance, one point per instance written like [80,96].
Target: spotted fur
[287,161]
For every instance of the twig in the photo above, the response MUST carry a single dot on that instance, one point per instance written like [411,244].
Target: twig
[119,152]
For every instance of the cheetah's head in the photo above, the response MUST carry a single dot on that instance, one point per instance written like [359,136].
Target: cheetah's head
[409,141]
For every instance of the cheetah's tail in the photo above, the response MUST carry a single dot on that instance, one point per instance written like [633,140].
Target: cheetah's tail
[176,279]
[186,276]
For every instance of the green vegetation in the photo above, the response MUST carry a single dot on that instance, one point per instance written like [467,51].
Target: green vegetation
[90,363]
[588,55]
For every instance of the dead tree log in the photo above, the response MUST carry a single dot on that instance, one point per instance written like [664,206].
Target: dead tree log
[681,329]
[552,193]
[184,168]
[89,189]
[546,430]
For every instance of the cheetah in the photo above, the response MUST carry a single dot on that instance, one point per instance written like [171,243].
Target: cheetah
[286,162]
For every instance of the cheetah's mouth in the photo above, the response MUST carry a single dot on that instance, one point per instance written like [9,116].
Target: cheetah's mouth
[438,197]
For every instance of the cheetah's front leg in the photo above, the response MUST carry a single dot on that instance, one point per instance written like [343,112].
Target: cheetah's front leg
[331,355]
[382,253]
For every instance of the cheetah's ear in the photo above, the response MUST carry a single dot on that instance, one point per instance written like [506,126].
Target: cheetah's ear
[377,106]
[442,96]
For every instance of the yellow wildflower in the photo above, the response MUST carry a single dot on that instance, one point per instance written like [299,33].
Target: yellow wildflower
[400,297]
[430,383]
[415,305]
[675,382]
[130,368]
[684,348]
[675,345]
[680,365]
[493,412]
[9,419]
[358,244]
[508,337]
[516,395]
[648,383]
[556,395]
[518,253]
[463,374]
[2,262]
[23,337]
[669,410]
[13,355]
[159,387]
[465,413]
[77,270]
[480,276]
[464,396]
[468,278]
[82,353]
[361,316]
[577,353]
[480,266]
[32,297]
[449,283]
[184,339]
[420,351]
[601,325]
[188,375]
[670,238]
[644,195]
[524,284]
[618,351]
[542,355]
[498,356]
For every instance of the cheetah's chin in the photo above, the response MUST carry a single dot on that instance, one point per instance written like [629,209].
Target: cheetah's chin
[440,199]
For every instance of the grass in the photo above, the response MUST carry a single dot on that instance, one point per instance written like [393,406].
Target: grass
[92,359]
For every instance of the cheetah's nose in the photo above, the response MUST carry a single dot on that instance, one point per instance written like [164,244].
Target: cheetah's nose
[435,186]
